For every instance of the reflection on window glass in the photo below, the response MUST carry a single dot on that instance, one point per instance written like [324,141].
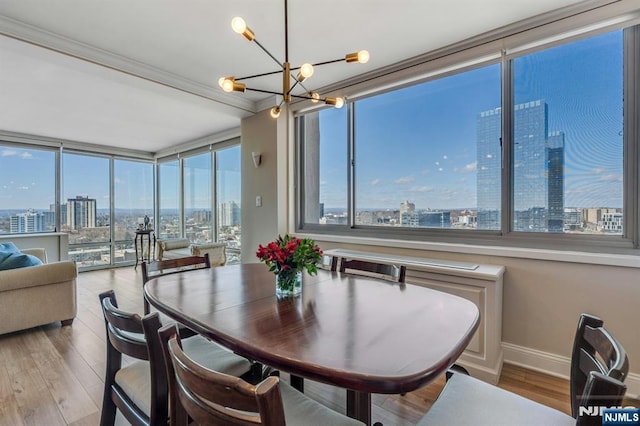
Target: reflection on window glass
[325,164]
[428,155]
[85,208]
[133,192]
[27,190]
[197,198]
[169,202]
[568,139]
[229,206]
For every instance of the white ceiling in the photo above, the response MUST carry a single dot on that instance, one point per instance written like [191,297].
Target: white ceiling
[143,74]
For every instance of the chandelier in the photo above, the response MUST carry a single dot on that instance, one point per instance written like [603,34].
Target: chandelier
[289,81]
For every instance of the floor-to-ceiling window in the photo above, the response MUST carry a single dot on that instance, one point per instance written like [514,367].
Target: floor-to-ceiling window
[197,192]
[228,179]
[27,189]
[169,216]
[85,208]
[199,196]
[133,200]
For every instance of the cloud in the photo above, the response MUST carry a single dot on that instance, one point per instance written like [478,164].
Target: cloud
[611,178]
[23,188]
[375,182]
[598,171]
[403,180]
[421,189]
[7,152]
[440,169]
[118,180]
[323,182]
[469,168]
[445,157]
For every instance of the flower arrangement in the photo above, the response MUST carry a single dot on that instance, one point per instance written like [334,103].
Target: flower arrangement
[287,257]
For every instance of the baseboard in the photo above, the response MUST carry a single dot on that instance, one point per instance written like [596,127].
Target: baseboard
[555,365]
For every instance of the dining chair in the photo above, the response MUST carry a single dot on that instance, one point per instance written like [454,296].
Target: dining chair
[389,272]
[210,397]
[139,389]
[599,366]
[171,266]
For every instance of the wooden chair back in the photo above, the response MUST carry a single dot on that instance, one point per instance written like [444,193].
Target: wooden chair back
[171,266]
[210,397]
[599,365]
[126,335]
[390,272]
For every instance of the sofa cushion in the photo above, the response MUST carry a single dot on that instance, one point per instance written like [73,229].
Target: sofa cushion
[12,258]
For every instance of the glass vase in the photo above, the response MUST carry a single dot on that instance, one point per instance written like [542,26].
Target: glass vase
[288,283]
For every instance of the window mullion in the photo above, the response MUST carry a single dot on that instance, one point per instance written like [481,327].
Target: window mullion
[351,164]
[506,144]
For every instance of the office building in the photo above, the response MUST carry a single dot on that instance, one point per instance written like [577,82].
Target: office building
[81,212]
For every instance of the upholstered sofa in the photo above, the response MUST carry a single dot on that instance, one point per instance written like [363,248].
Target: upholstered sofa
[182,247]
[37,295]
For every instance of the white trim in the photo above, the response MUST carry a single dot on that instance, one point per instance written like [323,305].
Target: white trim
[52,41]
[74,145]
[608,259]
[555,365]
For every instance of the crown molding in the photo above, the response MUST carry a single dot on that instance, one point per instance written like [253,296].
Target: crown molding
[36,36]
[24,138]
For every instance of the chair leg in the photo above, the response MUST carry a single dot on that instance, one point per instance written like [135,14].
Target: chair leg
[108,415]
[66,322]
[297,382]
[456,368]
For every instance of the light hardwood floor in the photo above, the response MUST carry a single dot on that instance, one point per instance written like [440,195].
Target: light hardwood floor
[53,375]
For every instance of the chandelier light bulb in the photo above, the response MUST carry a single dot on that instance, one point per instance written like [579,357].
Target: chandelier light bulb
[238,25]
[315,97]
[227,85]
[339,102]
[221,81]
[275,112]
[306,70]
[363,56]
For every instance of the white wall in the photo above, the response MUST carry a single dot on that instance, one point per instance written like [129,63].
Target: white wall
[262,224]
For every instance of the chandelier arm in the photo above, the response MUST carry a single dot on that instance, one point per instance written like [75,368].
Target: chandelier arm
[258,75]
[329,62]
[268,53]
[271,92]
[294,85]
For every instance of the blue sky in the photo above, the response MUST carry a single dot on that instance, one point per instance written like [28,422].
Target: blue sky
[419,143]
[27,180]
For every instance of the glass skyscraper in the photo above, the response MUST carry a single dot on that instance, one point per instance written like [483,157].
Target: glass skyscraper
[538,170]
[488,168]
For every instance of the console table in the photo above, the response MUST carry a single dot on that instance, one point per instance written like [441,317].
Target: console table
[151,252]
[481,284]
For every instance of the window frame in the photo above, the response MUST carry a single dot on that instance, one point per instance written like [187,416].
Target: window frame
[505,236]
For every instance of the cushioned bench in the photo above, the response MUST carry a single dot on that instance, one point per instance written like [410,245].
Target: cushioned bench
[182,247]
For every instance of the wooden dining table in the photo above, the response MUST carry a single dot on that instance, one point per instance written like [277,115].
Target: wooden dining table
[363,334]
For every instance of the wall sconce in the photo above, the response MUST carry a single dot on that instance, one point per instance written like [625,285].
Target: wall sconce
[257,159]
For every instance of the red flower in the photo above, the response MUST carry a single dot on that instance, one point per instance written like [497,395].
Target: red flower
[289,252]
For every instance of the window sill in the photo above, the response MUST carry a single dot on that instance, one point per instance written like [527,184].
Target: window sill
[605,259]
